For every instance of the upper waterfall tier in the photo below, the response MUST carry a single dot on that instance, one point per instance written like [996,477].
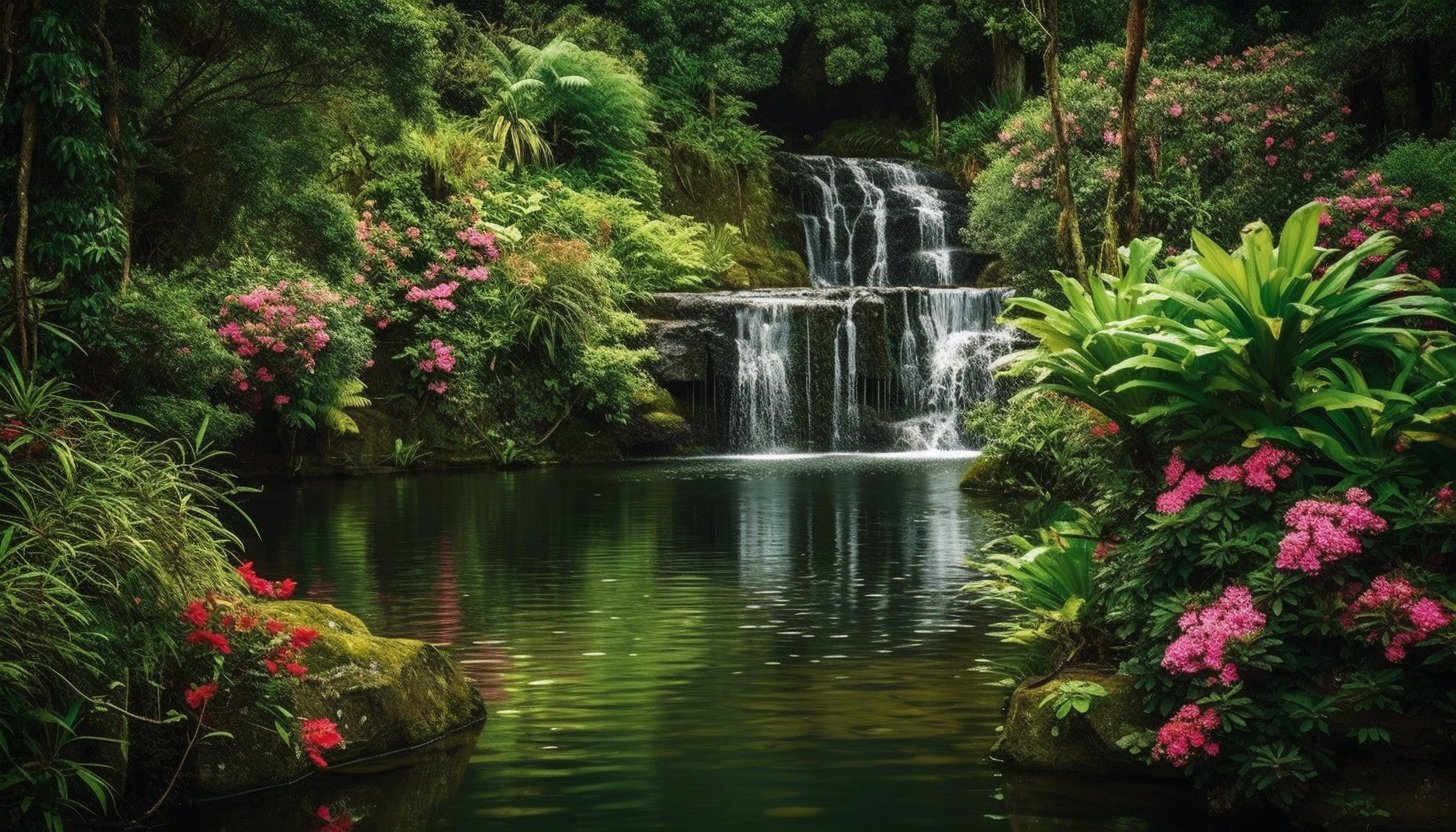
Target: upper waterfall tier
[877,222]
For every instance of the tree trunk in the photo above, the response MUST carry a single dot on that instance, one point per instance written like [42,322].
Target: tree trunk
[1120,219]
[925,86]
[1069,232]
[1008,67]
[24,325]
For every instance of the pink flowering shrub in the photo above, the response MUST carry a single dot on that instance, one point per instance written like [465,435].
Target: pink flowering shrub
[412,281]
[1208,632]
[1246,135]
[1186,736]
[1261,470]
[297,342]
[1396,613]
[1323,531]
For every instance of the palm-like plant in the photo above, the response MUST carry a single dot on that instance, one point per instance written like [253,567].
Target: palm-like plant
[1273,319]
[1083,348]
[1264,338]
[520,77]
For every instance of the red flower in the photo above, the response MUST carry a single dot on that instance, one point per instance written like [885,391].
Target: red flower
[218,641]
[321,733]
[198,695]
[296,669]
[302,637]
[196,614]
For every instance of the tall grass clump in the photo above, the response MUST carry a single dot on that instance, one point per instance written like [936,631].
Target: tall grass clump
[103,538]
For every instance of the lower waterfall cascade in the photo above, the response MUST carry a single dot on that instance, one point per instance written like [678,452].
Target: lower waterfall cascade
[853,369]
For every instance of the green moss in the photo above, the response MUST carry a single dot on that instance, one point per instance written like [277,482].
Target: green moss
[384,694]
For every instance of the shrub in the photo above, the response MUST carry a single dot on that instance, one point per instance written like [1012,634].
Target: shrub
[301,346]
[103,538]
[1238,136]
[1280,590]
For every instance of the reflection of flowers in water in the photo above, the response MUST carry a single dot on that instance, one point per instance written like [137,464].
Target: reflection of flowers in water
[439,622]
[485,663]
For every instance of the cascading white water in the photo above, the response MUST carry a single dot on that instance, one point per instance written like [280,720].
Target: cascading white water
[763,406]
[885,352]
[876,222]
[930,211]
[845,413]
[957,343]
[874,204]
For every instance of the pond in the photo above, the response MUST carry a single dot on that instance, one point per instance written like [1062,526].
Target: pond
[716,644]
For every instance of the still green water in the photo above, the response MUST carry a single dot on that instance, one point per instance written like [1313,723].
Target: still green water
[723,644]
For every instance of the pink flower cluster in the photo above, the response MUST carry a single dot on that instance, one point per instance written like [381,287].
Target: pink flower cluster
[438,295]
[1322,531]
[1260,470]
[1400,614]
[279,332]
[442,359]
[1208,631]
[429,281]
[1107,430]
[1187,733]
[1186,482]
[1369,205]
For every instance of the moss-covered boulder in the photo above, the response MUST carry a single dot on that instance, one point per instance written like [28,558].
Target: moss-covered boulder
[1084,743]
[384,694]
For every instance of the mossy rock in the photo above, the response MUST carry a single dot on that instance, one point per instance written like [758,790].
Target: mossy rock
[1082,743]
[762,267]
[385,695]
[983,475]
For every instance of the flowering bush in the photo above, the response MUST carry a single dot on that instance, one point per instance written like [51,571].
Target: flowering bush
[248,652]
[299,345]
[414,279]
[1302,511]
[1238,136]
[1207,633]
[1187,734]
[1324,530]
[1396,613]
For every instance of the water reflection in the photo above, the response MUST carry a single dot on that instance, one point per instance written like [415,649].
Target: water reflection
[715,644]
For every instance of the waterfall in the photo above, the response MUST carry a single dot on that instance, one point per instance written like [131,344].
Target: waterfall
[956,343]
[876,222]
[845,414]
[885,352]
[762,403]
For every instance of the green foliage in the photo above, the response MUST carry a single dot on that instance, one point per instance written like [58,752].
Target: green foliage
[1074,695]
[1047,583]
[105,537]
[1251,339]
[1042,445]
[160,351]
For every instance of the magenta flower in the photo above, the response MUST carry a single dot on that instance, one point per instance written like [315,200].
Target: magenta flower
[1323,531]
[1395,612]
[1185,734]
[1208,631]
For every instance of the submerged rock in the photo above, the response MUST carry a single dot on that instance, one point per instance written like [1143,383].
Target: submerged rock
[384,694]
